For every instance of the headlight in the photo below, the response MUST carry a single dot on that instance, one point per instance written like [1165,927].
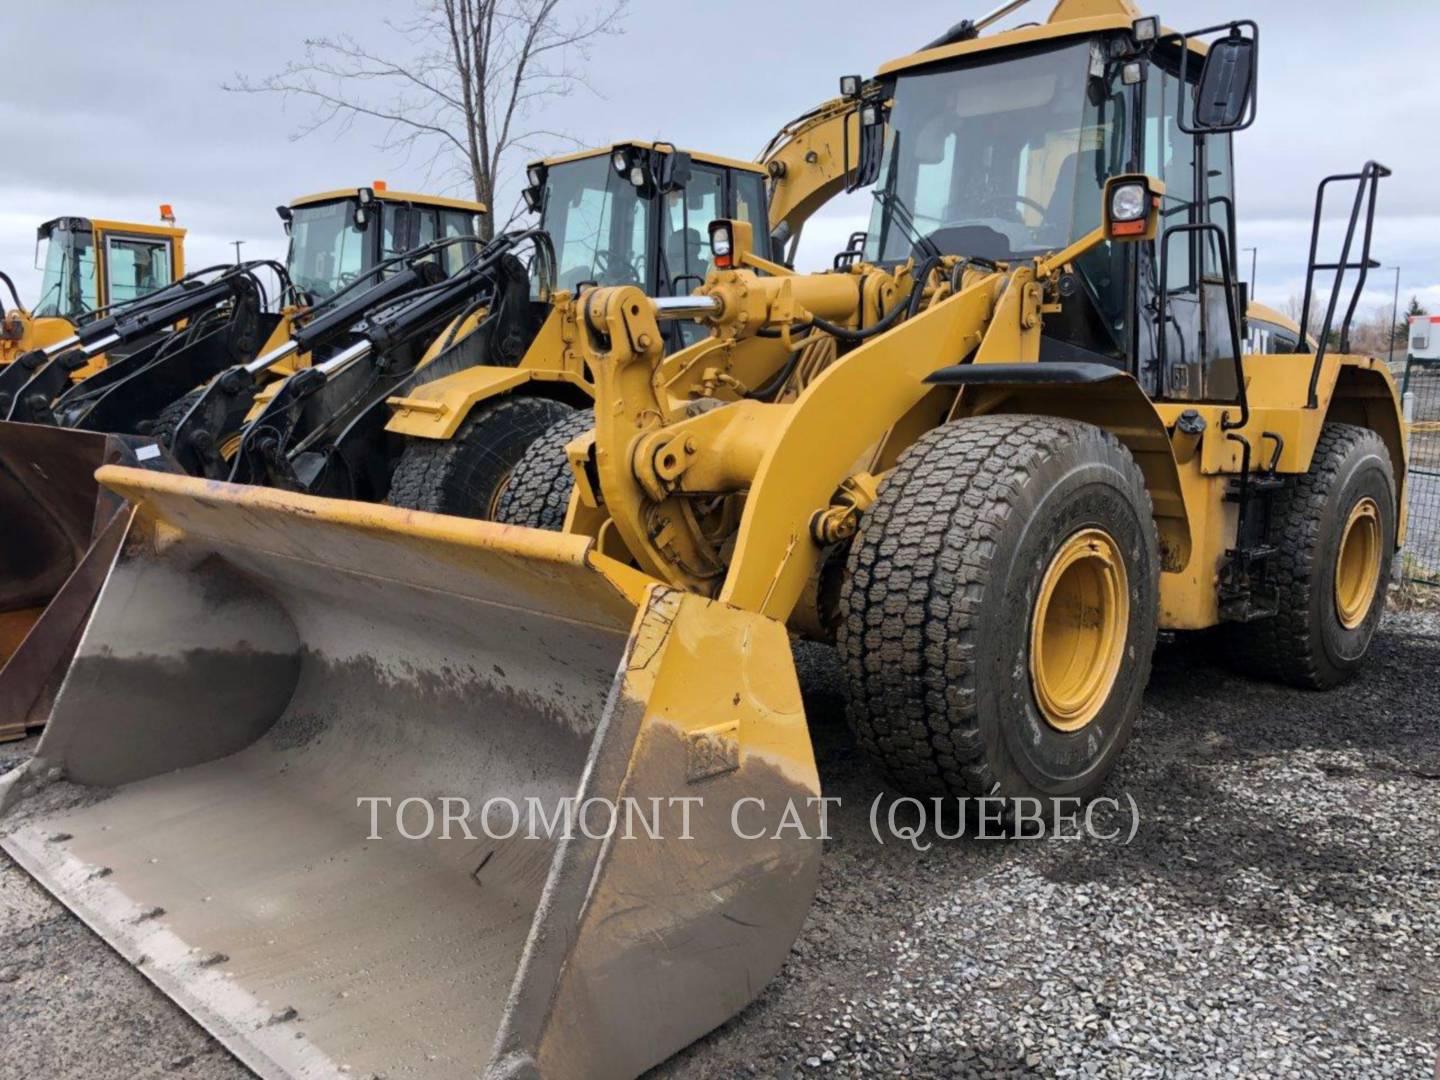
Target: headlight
[536,173]
[621,161]
[1127,203]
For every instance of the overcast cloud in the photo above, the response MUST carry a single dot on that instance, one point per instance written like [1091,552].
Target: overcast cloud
[114,108]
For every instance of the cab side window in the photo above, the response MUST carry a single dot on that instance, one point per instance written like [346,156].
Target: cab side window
[135,267]
[406,228]
[685,218]
[750,206]
[456,223]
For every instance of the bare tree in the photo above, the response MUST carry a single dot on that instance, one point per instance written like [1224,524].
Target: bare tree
[466,93]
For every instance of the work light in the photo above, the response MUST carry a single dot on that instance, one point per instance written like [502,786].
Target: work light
[1127,203]
[721,243]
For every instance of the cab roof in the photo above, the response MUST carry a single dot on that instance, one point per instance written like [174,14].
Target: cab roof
[701,156]
[105,225]
[419,199]
[1071,18]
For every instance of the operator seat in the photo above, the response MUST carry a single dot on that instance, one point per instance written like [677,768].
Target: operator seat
[680,244]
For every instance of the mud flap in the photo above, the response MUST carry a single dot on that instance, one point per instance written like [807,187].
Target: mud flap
[263,670]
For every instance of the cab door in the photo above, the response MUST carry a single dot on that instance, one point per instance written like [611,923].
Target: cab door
[135,266]
[1185,345]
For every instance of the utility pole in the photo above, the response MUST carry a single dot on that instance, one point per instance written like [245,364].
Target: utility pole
[237,244]
[1395,315]
[1394,318]
[1254,258]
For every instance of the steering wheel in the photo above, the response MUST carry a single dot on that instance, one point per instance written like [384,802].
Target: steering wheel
[1010,202]
[614,269]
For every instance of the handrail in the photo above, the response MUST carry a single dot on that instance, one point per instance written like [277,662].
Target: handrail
[1367,182]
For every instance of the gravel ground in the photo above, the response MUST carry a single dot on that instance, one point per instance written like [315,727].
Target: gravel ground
[1277,914]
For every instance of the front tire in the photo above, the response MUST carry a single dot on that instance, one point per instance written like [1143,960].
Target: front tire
[467,474]
[1334,531]
[999,610]
[538,496]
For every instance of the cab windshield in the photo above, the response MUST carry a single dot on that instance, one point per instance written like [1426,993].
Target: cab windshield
[997,158]
[67,286]
[598,224]
[327,248]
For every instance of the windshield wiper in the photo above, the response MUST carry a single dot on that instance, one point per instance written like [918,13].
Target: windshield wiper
[901,213]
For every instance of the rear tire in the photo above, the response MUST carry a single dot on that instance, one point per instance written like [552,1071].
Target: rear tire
[987,533]
[1327,616]
[538,495]
[466,475]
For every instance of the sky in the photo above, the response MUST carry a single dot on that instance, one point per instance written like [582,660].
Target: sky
[138,116]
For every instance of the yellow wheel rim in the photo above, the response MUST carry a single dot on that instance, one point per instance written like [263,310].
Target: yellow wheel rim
[1078,629]
[492,510]
[1357,566]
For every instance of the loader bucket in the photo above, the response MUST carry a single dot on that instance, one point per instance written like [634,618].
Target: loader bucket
[60,530]
[48,502]
[260,662]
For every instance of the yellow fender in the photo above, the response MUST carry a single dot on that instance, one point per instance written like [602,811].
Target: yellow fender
[435,410]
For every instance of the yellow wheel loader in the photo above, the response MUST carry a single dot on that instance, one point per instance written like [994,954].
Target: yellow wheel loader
[321,429]
[57,432]
[124,376]
[992,455]
[91,265]
[631,213]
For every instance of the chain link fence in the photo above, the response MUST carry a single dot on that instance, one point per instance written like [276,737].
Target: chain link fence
[1420,558]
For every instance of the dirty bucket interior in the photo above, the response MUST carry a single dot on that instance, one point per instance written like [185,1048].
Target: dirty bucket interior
[225,737]
[259,663]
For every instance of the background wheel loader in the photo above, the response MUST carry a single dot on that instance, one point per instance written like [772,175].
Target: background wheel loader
[627,213]
[90,266]
[991,454]
[56,432]
[59,428]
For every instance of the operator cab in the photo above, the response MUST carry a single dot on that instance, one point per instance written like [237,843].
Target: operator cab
[91,265]
[337,236]
[638,214]
[998,150]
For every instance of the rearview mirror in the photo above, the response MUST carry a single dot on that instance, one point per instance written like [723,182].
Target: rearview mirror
[672,170]
[1224,100]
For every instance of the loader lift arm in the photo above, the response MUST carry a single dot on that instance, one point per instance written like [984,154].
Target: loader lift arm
[323,428]
[224,309]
